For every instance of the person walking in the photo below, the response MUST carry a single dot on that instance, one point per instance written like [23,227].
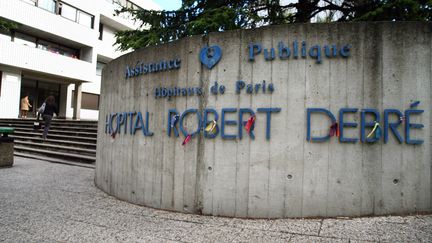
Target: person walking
[25,106]
[47,114]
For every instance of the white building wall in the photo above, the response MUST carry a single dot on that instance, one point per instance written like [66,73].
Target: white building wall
[53,27]
[106,46]
[30,58]
[10,94]
[89,114]
[93,88]
[46,21]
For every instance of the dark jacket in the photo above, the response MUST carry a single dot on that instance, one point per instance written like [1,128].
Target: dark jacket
[50,109]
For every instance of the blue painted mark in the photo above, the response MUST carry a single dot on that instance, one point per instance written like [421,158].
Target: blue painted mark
[414,104]
[210,56]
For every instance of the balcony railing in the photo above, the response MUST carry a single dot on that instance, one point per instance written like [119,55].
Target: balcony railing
[65,10]
[34,59]
[32,41]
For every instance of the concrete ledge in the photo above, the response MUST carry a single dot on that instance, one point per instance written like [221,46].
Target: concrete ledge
[286,174]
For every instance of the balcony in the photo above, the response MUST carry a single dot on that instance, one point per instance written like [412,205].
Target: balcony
[38,19]
[123,22]
[108,51]
[36,60]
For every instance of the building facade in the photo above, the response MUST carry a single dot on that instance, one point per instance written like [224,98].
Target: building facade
[59,49]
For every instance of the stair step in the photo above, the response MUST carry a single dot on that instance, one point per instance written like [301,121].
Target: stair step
[64,126]
[55,119]
[54,160]
[51,136]
[69,142]
[59,132]
[54,146]
[54,141]
[30,125]
[83,158]
[73,126]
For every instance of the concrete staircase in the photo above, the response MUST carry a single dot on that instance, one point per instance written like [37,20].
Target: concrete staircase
[68,141]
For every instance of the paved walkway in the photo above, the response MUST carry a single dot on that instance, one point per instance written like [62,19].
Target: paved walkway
[45,202]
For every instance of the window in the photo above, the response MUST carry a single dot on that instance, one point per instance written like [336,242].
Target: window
[24,39]
[58,49]
[32,2]
[85,19]
[1,77]
[99,67]
[76,15]
[68,12]
[65,10]
[101,31]
[35,42]
[88,101]
[49,5]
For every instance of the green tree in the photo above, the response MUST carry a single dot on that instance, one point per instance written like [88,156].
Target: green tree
[193,18]
[394,10]
[8,25]
[197,17]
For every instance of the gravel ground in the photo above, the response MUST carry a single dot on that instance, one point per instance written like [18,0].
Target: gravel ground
[46,202]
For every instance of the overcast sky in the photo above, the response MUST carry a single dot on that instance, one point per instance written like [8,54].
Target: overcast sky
[167,4]
[175,4]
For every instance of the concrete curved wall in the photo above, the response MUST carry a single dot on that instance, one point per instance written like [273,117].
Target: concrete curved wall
[388,67]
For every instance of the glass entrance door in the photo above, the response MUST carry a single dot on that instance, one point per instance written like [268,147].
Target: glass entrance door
[29,87]
[38,91]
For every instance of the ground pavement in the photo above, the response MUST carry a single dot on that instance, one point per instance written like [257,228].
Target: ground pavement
[46,202]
